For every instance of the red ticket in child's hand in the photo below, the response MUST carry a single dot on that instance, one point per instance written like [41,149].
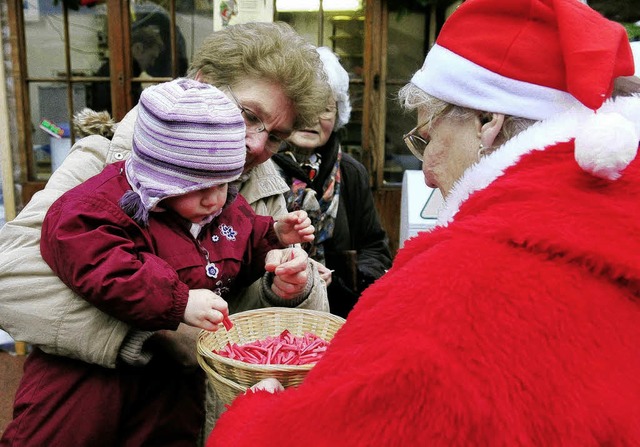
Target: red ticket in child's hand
[228,324]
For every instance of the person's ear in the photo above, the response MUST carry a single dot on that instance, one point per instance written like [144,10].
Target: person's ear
[198,76]
[491,125]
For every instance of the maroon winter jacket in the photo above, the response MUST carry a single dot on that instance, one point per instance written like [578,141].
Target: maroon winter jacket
[142,276]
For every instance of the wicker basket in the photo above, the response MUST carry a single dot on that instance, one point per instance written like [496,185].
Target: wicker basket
[226,389]
[258,324]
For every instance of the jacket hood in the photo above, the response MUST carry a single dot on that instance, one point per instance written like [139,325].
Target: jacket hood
[89,122]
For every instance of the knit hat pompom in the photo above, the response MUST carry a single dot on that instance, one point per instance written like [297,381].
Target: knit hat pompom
[606,144]
[131,203]
[188,136]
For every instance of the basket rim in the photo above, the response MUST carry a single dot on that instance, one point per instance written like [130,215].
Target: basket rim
[230,383]
[207,353]
[289,310]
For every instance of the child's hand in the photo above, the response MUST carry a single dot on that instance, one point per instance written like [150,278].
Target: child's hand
[294,228]
[205,309]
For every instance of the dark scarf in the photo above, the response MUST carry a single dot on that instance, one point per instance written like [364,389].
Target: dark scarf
[314,181]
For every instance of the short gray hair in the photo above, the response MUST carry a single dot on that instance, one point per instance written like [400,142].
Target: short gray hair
[412,97]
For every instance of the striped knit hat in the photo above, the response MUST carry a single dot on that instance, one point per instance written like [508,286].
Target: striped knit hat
[188,136]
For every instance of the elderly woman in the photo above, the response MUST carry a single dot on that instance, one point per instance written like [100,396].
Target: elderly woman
[516,321]
[333,188]
[274,77]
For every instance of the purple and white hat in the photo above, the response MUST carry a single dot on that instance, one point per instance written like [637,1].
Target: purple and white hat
[188,136]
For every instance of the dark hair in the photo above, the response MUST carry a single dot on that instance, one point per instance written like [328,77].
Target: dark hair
[148,36]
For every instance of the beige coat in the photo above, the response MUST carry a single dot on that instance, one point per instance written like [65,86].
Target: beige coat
[36,307]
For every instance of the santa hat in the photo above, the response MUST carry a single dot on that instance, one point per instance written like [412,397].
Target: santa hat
[534,59]
[188,136]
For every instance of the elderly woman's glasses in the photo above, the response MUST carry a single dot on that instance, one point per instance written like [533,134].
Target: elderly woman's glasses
[415,142]
[255,125]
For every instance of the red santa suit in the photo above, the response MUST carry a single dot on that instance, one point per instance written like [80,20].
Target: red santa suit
[515,322]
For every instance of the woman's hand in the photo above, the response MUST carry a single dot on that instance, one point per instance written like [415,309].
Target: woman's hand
[325,273]
[291,269]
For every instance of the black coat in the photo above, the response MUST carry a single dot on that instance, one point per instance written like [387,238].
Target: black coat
[100,98]
[358,250]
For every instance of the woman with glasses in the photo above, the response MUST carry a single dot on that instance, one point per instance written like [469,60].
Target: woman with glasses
[515,322]
[350,245]
[274,76]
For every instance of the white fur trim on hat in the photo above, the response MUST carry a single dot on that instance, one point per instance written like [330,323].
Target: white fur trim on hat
[606,144]
[456,80]
[635,48]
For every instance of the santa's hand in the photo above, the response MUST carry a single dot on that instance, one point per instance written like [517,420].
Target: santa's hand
[271,385]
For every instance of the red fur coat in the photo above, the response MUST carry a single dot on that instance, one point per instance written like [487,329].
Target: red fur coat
[516,322]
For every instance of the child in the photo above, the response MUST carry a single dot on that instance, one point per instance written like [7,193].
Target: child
[180,225]
[157,240]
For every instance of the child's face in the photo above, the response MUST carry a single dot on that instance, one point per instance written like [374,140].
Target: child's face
[197,206]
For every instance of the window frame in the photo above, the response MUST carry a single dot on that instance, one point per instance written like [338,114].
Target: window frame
[119,37]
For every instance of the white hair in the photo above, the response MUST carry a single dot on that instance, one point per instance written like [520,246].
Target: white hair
[339,82]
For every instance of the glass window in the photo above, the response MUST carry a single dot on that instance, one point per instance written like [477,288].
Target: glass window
[60,48]
[70,62]
[405,54]
[410,34]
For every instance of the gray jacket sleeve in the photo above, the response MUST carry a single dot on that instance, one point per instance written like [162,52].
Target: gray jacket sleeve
[35,306]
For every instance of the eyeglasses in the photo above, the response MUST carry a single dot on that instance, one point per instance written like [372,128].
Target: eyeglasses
[328,113]
[415,142]
[255,125]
